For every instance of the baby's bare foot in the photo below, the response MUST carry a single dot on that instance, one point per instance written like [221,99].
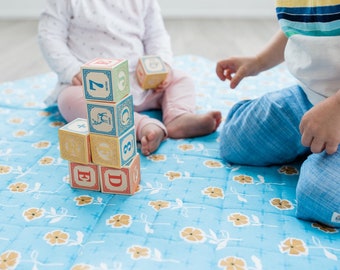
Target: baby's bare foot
[192,125]
[152,136]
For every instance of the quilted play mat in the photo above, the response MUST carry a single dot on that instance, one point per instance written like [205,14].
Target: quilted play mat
[191,211]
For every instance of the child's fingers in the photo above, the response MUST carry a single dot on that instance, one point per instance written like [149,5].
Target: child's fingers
[317,146]
[220,71]
[235,80]
[331,148]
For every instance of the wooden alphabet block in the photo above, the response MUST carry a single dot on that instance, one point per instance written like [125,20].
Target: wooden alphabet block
[84,176]
[111,119]
[106,79]
[151,71]
[74,141]
[121,181]
[113,151]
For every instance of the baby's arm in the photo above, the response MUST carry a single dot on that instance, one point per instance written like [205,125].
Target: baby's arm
[320,126]
[53,36]
[156,39]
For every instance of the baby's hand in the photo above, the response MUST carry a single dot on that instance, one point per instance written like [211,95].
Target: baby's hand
[77,80]
[162,86]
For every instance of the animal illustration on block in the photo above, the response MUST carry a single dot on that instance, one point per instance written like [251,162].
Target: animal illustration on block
[112,119]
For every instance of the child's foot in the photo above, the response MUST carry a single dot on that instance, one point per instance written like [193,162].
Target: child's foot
[192,125]
[152,136]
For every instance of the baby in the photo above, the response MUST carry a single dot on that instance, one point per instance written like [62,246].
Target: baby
[73,32]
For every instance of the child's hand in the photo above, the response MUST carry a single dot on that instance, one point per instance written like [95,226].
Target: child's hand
[235,69]
[320,126]
[77,80]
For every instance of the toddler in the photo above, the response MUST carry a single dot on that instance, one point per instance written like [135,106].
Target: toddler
[300,121]
[72,32]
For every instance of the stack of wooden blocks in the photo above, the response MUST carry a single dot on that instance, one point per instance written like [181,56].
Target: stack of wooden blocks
[101,149]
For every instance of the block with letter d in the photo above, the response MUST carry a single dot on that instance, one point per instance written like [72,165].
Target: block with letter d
[74,139]
[151,71]
[112,119]
[106,79]
[84,176]
[112,151]
[121,181]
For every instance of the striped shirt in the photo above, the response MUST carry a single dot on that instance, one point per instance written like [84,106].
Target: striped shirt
[309,17]
[313,49]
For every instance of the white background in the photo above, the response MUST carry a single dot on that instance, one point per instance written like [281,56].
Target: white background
[17,9]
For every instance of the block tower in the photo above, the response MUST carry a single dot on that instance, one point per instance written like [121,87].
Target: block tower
[101,149]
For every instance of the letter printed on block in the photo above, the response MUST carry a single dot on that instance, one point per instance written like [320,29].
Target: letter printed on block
[121,181]
[84,176]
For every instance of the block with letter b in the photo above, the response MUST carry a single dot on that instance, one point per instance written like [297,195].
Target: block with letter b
[84,176]
[106,79]
[151,71]
[74,139]
[112,119]
[113,151]
[121,181]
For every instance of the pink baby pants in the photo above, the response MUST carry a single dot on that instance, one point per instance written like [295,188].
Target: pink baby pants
[178,98]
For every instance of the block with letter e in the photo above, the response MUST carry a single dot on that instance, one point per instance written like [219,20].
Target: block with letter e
[112,119]
[121,181]
[151,71]
[106,79]
[74,139]
[84,176]
[113,151]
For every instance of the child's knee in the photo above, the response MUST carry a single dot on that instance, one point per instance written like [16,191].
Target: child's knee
[317,193]
[231,137]
[236,148]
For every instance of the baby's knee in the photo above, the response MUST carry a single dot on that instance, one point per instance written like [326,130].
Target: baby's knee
[71,103]
[317,193]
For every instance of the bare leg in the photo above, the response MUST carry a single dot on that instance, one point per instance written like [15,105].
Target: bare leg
[151,137]
[193,125]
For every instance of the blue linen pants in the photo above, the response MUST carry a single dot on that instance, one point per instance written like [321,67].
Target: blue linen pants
[265,131]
